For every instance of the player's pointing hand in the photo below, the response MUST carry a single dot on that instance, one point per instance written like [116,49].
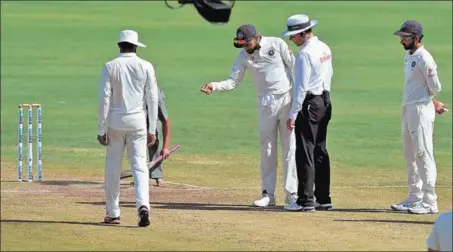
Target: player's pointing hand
[207,88]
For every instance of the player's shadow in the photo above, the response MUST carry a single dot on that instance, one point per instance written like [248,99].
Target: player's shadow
[235,207]
[198,206]
[70,182]
[390,221]
[64,222]
[364,210]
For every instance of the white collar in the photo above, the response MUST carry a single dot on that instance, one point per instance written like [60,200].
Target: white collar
[127,54]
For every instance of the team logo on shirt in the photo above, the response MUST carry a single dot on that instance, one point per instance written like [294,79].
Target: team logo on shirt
[252,58]
[413,64]
[271,52]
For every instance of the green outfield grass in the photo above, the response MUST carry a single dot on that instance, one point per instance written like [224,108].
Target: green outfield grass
[53,52]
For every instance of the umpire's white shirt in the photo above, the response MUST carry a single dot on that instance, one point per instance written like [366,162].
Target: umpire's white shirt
[421,80]
[271,67]
[313,72]
[128,83]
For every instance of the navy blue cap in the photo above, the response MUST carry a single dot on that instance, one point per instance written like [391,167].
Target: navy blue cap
[410,28]
[244,34]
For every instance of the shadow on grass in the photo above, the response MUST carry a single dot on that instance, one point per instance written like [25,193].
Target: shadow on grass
[365,210]
[70,182]
[65,222]
[233,207]
[197,206]
[391,221]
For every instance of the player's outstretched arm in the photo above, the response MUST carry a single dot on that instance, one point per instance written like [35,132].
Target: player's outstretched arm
[233,81]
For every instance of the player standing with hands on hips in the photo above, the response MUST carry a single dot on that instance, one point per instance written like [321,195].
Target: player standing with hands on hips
[270,61]
[127,83]
[310,114]
[419,111]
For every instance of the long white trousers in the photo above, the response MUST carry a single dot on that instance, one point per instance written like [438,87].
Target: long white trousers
[273,112]
[418,128]
[135,142]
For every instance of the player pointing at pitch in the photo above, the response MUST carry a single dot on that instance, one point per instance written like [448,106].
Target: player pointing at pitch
[419,108]
[270,61]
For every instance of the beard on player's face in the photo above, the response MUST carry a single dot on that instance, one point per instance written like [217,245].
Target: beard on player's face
[252,46]
[408,45]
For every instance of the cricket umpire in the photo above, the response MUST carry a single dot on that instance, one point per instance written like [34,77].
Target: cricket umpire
[310,114]
[153,150]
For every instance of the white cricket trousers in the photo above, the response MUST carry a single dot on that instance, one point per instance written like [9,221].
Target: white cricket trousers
[135,142]
[418,128]
[273,112]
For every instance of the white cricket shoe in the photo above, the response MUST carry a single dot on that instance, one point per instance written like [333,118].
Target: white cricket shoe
[266,200]
[423,208]
[289,199]
[404,205]
[294,207]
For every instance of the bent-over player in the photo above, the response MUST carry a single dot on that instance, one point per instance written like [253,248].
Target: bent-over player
[271,62]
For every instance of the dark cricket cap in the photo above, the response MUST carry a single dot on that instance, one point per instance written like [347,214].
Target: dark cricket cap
[410,28]
[243,35]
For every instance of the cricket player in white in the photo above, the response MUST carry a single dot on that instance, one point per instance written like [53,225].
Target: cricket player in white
[419,109]
[128,84]
[271,62]
[440,238]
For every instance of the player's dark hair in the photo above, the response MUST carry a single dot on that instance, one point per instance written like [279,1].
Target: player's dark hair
[420,38]
[126,45]
[306,32]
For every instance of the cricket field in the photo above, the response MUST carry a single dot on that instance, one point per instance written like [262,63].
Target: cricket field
[53,52]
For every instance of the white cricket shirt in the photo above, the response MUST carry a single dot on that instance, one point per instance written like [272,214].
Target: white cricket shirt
[421,80]
[271,67]
[313,72]
[440,238]
[128,83]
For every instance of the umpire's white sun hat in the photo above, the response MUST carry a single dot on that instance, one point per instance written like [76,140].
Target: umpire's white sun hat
[130,36]
[297,24]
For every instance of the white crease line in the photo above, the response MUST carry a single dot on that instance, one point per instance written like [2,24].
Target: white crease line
[37,191]
[252,188]
[258,187]
[196,187]
[189,185]
[186,189]
[386,186]
[192,187]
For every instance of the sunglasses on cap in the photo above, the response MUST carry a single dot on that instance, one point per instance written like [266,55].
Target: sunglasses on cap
[240,43]
[406,37]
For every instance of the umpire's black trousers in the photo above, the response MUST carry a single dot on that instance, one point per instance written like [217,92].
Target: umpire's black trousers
[312,158]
